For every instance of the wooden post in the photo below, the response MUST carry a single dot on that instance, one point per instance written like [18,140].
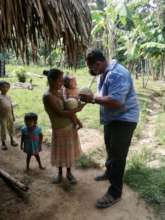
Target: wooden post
[2,65]
[13,181]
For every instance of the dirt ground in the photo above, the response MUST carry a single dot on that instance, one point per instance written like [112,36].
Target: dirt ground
[45,201]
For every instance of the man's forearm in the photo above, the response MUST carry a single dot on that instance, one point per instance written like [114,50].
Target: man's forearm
[107,102]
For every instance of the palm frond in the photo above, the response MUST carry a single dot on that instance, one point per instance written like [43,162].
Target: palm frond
[25,22]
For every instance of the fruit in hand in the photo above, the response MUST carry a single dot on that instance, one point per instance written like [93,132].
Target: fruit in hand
[85,91]
[71,103]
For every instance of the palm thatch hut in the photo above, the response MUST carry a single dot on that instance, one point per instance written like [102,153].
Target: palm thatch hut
[24,23]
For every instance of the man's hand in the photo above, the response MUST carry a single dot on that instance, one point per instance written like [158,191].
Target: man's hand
[86,98]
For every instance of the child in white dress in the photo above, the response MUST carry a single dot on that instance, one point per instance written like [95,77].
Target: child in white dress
[6,115]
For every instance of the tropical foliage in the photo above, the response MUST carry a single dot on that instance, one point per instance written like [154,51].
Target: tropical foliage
[134,32]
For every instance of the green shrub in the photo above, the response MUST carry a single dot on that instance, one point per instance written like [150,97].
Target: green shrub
[87,161]
[94,158]
[139,159]
[20,72]
[146,180]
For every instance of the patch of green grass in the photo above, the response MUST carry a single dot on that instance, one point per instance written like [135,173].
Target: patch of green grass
[90,116]
[146,97]
[143,104]
[86,161]
[160,129]
[139,159]
[31,100]
[160,124]
[31,68]
[148,182]
[92,159]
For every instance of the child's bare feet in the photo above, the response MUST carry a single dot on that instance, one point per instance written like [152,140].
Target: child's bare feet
[79,125]
[4,146]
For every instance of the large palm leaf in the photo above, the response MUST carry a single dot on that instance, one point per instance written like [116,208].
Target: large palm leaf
[25,22]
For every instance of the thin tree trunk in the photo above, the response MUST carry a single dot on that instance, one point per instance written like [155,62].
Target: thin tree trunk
[162,67]
[143,75]
[147,73]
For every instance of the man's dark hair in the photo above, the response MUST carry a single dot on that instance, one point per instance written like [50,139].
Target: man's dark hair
[95,55]
[31,116]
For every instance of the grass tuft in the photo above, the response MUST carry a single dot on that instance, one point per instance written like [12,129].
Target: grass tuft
[149,182]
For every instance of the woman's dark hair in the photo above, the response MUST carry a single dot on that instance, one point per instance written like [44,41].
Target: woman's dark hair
[2,83]
[45,72]
[52,74]
[94,55]
[31,116]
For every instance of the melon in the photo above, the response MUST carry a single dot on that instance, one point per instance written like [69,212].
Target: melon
[85,91]
[71,103]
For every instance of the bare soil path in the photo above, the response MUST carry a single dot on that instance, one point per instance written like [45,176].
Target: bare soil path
[46,201]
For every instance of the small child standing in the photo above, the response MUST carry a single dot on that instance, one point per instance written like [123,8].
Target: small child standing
[31,139]
[71,91]
[6,115]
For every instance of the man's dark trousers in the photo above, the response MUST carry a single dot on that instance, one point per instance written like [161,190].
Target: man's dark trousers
[117,137]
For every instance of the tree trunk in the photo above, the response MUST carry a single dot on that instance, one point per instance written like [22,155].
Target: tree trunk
[2,66]
[163,67]
[143,74]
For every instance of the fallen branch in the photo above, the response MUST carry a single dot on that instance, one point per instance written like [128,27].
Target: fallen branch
[13,181]
[20,85]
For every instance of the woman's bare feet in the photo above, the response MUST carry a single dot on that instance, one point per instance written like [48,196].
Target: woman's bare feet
[42,168]
[57,179]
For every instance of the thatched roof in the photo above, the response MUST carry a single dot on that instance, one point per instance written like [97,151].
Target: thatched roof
[23,23]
